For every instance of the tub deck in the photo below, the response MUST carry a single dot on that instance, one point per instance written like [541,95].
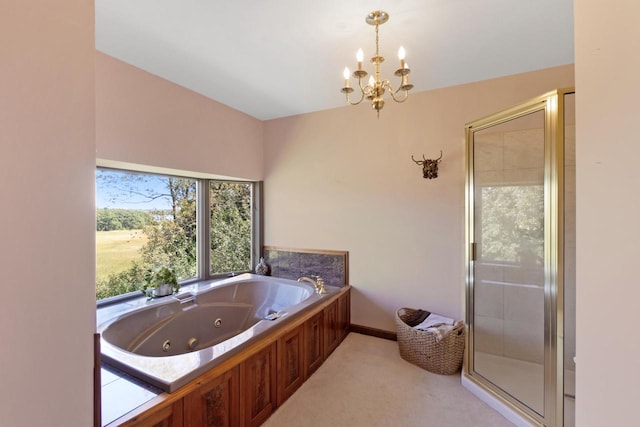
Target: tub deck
[157,402]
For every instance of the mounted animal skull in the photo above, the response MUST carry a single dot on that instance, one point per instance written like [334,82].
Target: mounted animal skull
[429,167]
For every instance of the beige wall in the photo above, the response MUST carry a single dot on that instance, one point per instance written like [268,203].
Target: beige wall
[608,209]
[47,158]
[146,120]
[344,179]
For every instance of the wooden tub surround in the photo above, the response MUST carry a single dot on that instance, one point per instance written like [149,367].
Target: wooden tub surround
[247,388]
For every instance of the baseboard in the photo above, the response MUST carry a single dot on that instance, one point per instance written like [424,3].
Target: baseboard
[373,332]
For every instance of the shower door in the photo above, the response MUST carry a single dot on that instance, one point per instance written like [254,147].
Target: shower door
[514,235]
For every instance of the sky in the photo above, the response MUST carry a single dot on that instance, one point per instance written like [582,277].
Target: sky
[126,190]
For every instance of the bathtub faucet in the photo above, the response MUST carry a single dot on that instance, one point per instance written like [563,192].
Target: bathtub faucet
[318,283]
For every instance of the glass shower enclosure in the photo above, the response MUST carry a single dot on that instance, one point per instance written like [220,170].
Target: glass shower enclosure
[520,213]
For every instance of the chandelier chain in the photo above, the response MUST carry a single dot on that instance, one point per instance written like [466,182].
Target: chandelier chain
[377,40]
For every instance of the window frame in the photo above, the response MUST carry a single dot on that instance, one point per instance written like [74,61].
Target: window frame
[203,224]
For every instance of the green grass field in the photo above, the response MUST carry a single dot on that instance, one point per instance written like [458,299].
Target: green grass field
[116,250]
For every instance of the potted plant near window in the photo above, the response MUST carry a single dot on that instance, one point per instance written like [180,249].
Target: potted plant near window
[160,283]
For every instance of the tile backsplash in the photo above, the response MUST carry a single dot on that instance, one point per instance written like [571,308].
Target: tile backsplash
[332,266]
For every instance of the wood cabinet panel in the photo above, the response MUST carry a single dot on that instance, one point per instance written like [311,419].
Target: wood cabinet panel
[167,416]
[290,363]
[344,315]
[331,329]
[258,387]
[313,344]
[215,403]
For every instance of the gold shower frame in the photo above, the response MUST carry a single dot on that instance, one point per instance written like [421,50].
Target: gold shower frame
[552,103]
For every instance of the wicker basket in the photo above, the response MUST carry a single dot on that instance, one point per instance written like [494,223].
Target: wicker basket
[422,349]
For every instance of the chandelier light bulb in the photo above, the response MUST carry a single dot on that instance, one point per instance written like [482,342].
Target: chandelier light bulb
[371,81]
[401,54]
[359,58]
[346,76]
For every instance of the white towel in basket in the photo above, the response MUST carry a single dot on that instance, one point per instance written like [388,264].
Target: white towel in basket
[439,326]
[441,331]
[433,320]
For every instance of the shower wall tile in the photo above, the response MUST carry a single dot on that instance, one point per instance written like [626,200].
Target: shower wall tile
[489,300]
[534,276]
[524,149]
[488,151]
[514,275]
[489,333]
[487,178]
[531,176]
[522,275]
[525,304]
[524,323]
[488,272]
[524,341]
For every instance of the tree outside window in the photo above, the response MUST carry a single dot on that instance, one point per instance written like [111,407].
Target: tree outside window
[147,221]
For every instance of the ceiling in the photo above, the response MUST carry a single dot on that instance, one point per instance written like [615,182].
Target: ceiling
[277,58]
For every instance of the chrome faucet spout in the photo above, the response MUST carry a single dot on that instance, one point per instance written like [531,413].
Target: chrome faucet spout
[318,283]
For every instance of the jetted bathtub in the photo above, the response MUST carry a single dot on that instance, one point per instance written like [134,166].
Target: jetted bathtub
[170,341]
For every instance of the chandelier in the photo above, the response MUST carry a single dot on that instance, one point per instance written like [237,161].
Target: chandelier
[375,89]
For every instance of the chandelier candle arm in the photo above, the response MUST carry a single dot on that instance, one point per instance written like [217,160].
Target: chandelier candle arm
[347,89]
[374,91]
[399,100]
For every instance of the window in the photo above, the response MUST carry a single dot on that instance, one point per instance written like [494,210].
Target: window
[230,213]
[147,221]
